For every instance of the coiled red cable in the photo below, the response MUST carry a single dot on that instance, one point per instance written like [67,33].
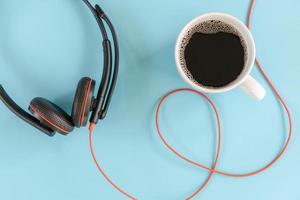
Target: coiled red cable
[213,106]
[212,170]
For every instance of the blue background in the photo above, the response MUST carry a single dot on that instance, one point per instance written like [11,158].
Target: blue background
[47,46]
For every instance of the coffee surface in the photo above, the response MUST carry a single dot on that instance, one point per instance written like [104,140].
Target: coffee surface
[214,59]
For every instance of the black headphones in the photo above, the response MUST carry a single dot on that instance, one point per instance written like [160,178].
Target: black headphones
[49,118]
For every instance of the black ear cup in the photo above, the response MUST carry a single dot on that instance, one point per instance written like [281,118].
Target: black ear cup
[83,101]
[51,115]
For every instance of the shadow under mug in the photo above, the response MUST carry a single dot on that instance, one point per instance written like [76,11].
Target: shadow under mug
[245,81]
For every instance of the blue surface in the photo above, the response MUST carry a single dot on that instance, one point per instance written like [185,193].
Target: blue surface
[47,46]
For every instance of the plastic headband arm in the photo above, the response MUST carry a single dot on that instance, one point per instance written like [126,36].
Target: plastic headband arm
[23,114]
[107,66]
[116,61]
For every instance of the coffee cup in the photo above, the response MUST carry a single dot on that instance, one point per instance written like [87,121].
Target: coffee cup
[244,80]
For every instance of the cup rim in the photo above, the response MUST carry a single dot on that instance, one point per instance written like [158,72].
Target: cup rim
[245,33]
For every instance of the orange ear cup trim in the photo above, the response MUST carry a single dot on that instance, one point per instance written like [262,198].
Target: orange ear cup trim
[85,103]
[45,119]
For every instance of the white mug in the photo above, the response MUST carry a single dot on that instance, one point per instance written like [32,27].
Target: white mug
[244,80]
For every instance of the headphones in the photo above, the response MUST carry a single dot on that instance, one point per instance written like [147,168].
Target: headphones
[49,118]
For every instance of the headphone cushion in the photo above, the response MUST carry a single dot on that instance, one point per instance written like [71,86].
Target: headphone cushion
[82,101]
[51,115]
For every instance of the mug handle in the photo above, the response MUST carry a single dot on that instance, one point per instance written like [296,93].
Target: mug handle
[251,87]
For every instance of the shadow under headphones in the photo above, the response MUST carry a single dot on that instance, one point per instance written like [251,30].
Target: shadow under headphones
[49,118]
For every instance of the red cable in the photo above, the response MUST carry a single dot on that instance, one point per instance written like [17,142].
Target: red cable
[249,173]
[164,98]
[211,170]
[100,168]
[213,106]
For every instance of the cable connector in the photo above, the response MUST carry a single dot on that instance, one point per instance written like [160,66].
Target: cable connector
[91,127]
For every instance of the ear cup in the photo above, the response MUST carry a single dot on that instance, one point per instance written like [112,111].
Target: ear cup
[83,101]
[51,115]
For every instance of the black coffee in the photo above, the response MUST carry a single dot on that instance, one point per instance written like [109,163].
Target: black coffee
[214,54]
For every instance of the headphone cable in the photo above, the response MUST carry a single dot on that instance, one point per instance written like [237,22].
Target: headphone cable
[91,128]
[281,100]
[211,170]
